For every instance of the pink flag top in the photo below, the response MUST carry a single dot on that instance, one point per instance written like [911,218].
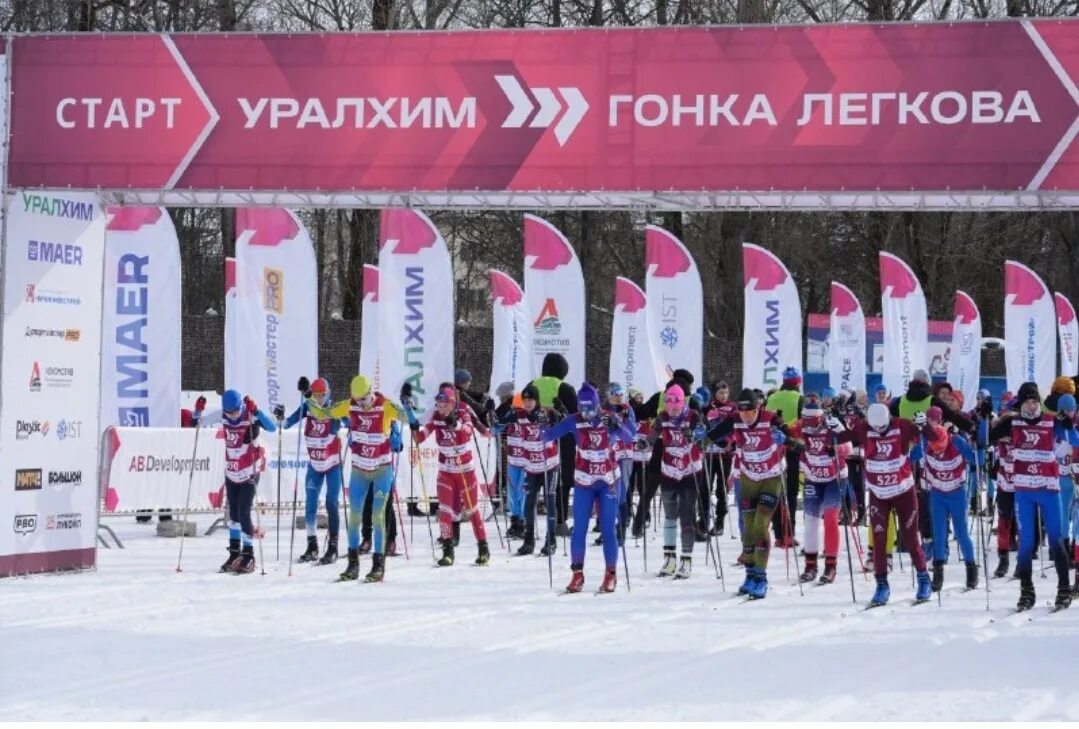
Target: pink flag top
[230,274]
[1022,285]
[370,282]
[897,281]
[411,230]
[761,266]
[546,248]
[628,296]
[1065,310]
[131,218]
[844,302]
[271,226]
[966,311]
[664,255]
[504,289]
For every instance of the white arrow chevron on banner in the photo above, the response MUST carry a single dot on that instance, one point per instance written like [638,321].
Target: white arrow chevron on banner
[522,106]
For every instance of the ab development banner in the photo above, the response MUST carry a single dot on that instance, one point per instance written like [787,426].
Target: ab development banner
[140,369]
[53,261]
[965,360]
[900,108]
[632,364]
[1068,327]
[906,324]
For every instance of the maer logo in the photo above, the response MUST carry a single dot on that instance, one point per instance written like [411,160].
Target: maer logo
[25,523]
[43,251]
[547,323]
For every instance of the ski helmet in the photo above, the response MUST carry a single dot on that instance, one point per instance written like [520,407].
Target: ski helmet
[320,386]
[878,416]
[231,401]
[616,390]
[587,400]
[360,386]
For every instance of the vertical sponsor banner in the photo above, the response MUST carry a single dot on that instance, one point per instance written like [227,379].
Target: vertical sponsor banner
[232,340]
[276,324]
[1030,323]
[511,355]
[846,340]
[51,384]
[140,366]
[674,304]
[554,296]
[1068,327]
[369,328]
[632,363]
[415,306]
[906,323]
[772,337]
[965,362]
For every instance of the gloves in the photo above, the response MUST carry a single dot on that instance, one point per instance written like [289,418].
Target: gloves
[919,420]
[200,404]
[251,407]
[279,412]
[451,420]
[641,443]
[1063,449]
[698,433]
[606,420]
[777,436]
[304,386]
[833,424]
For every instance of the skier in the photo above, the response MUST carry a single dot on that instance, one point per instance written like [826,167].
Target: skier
[623,455]
[787,403]
[324,461]
[679,430]
[946,459]
[820,462]
[524,426]
[594,481]
[719,454]
[852,411]
[370,416]
[886,442]
[458,492]
[554,393]
[757,438]
[1007,527]
[642,456]
[241,421]
[1038,439]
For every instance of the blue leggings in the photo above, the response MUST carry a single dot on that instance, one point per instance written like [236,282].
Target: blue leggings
[1069,527]
[584,498]
[1027,504]
[945,505]
[515,478]
[358,485]
[313,486]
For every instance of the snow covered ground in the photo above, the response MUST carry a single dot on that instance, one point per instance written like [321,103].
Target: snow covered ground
[135,640]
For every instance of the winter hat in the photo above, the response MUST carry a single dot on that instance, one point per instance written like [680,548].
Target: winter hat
[937,437]
[1028,391]
[983,394]
[829,393]
[230,401]
[812,409]
[959,399]
[320,386]
[878,416]
[615,390]
[881,387]
[1063,384]
[446,394]
[747,399]
[359,387]
[1066,404]
[934,414]
[920,376]
[587,399]
[634,392]
[704,394]
[504,390]
[462,377]
[530,392]
[792,377]
[683,375]
[675,396]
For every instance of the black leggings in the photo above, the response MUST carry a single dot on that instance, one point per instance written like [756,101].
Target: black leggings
[679,506]
[719,466]
[534,490]
[651,486]
[856,476]
[241,496]
[391,517]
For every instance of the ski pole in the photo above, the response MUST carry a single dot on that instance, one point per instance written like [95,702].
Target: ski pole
[487,484]
[280,437]
[187,499]
[850,560]
[258,525]
[548,508]
[303,385]
[710,551]
[789,529]
[981,535]
[414,459]
[397,502]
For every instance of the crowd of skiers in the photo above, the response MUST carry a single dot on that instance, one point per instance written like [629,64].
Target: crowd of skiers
[911,468]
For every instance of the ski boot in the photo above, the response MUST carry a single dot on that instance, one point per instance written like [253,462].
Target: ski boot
[378,568]
[484,556]
[700,535]
[447,553]
[669,565]
[234,555]
[528,546]
[576,583]
[717,530]
[598,542]
[331,552]
[1026,595]
[610,581]
[747,583]
[352,571]
[516,529]
[685,567]
[810,572]
[925,587]
[829,571]
[938,575]
[1064,597]
[246,564]
[365,545]
[972,576]
[1002,565]
[312,550]
[549,548]
[883,592]
[759,589]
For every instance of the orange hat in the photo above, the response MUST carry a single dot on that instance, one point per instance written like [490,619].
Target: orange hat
[1063,385]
